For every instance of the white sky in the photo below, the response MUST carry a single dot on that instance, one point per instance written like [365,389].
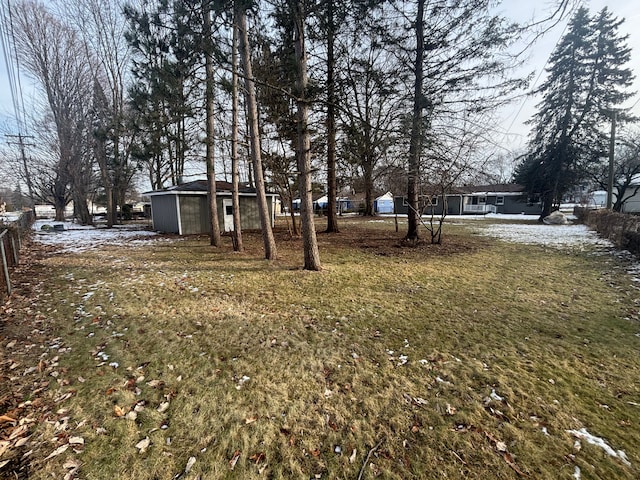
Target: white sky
[513,136]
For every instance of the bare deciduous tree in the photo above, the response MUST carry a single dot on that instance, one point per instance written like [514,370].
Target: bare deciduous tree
[53,54]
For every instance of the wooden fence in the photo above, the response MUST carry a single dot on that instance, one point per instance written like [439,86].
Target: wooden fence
[12,236]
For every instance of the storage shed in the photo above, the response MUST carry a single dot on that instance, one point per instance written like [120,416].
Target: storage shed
[384,203]
[184,209]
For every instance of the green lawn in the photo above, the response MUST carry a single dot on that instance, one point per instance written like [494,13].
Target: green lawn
[468,360]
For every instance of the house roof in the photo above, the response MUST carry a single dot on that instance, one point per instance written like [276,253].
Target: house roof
[497,189]
[386,196]
[492,188]
[198,187]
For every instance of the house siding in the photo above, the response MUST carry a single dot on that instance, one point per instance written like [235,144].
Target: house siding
[165,214]
[520,205]
[512,205]
[193,214]
[249,214]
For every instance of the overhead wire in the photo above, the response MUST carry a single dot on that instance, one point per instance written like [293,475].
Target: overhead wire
[12,64]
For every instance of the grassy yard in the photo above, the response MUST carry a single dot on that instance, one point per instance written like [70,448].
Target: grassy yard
[474,359]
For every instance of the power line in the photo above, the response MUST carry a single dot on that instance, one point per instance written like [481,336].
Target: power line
[12,63]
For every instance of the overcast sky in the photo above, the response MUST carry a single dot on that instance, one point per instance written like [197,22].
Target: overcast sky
[513,133]
[513,118]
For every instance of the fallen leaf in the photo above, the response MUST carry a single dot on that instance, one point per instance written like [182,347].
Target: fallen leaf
[22,442]
[119,411]
[143,444]
[501,446]
[258,457]
[155,383]
[6,418]
[352,458]
[163,407]
[234,459]
[190,463]
[451,410]
[58,451]
[249,420]
[511,462]
[71,463]
[11,344]
[132,415]
[20,431]
[2,464]
[76,441]
[315,453]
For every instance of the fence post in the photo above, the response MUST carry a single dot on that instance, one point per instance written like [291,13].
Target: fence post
[16,251]
[5,267]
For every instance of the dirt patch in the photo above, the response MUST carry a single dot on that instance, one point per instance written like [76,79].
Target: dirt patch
[358,235]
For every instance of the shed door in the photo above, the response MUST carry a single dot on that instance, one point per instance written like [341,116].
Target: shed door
[227,207]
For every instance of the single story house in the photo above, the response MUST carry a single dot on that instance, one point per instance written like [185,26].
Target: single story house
[184,209]
[506,198]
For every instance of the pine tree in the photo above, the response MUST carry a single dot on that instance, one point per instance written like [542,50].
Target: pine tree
[586,83]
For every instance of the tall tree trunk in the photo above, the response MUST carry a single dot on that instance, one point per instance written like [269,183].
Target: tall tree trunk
[270,251]
[332,187]
[100,153]
[413,214]
[310,243]
[367,163]
[216,239]
[80,207]
[235,180]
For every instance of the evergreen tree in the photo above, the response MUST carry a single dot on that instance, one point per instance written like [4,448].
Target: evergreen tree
[586,84]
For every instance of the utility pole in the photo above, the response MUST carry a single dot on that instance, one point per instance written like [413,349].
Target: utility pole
[612,147]
[21,143]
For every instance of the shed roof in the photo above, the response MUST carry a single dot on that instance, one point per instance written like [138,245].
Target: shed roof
[201,186]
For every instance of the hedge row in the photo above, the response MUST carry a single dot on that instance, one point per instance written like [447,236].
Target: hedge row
[622,229]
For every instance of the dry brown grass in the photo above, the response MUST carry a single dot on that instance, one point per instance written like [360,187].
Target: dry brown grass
[552,333]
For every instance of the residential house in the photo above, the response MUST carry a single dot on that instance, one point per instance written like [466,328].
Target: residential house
[506,198]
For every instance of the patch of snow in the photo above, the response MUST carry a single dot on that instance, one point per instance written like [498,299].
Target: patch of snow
[541,234]
[496,216]
[583,434]
[9,217]
[495,396]
[576,473]
[78,238]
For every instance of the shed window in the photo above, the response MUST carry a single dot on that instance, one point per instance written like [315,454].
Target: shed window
[482,200]
[229,209]
[500,200]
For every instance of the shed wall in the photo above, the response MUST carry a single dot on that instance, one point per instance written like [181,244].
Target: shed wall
[194,214]
[164,213]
